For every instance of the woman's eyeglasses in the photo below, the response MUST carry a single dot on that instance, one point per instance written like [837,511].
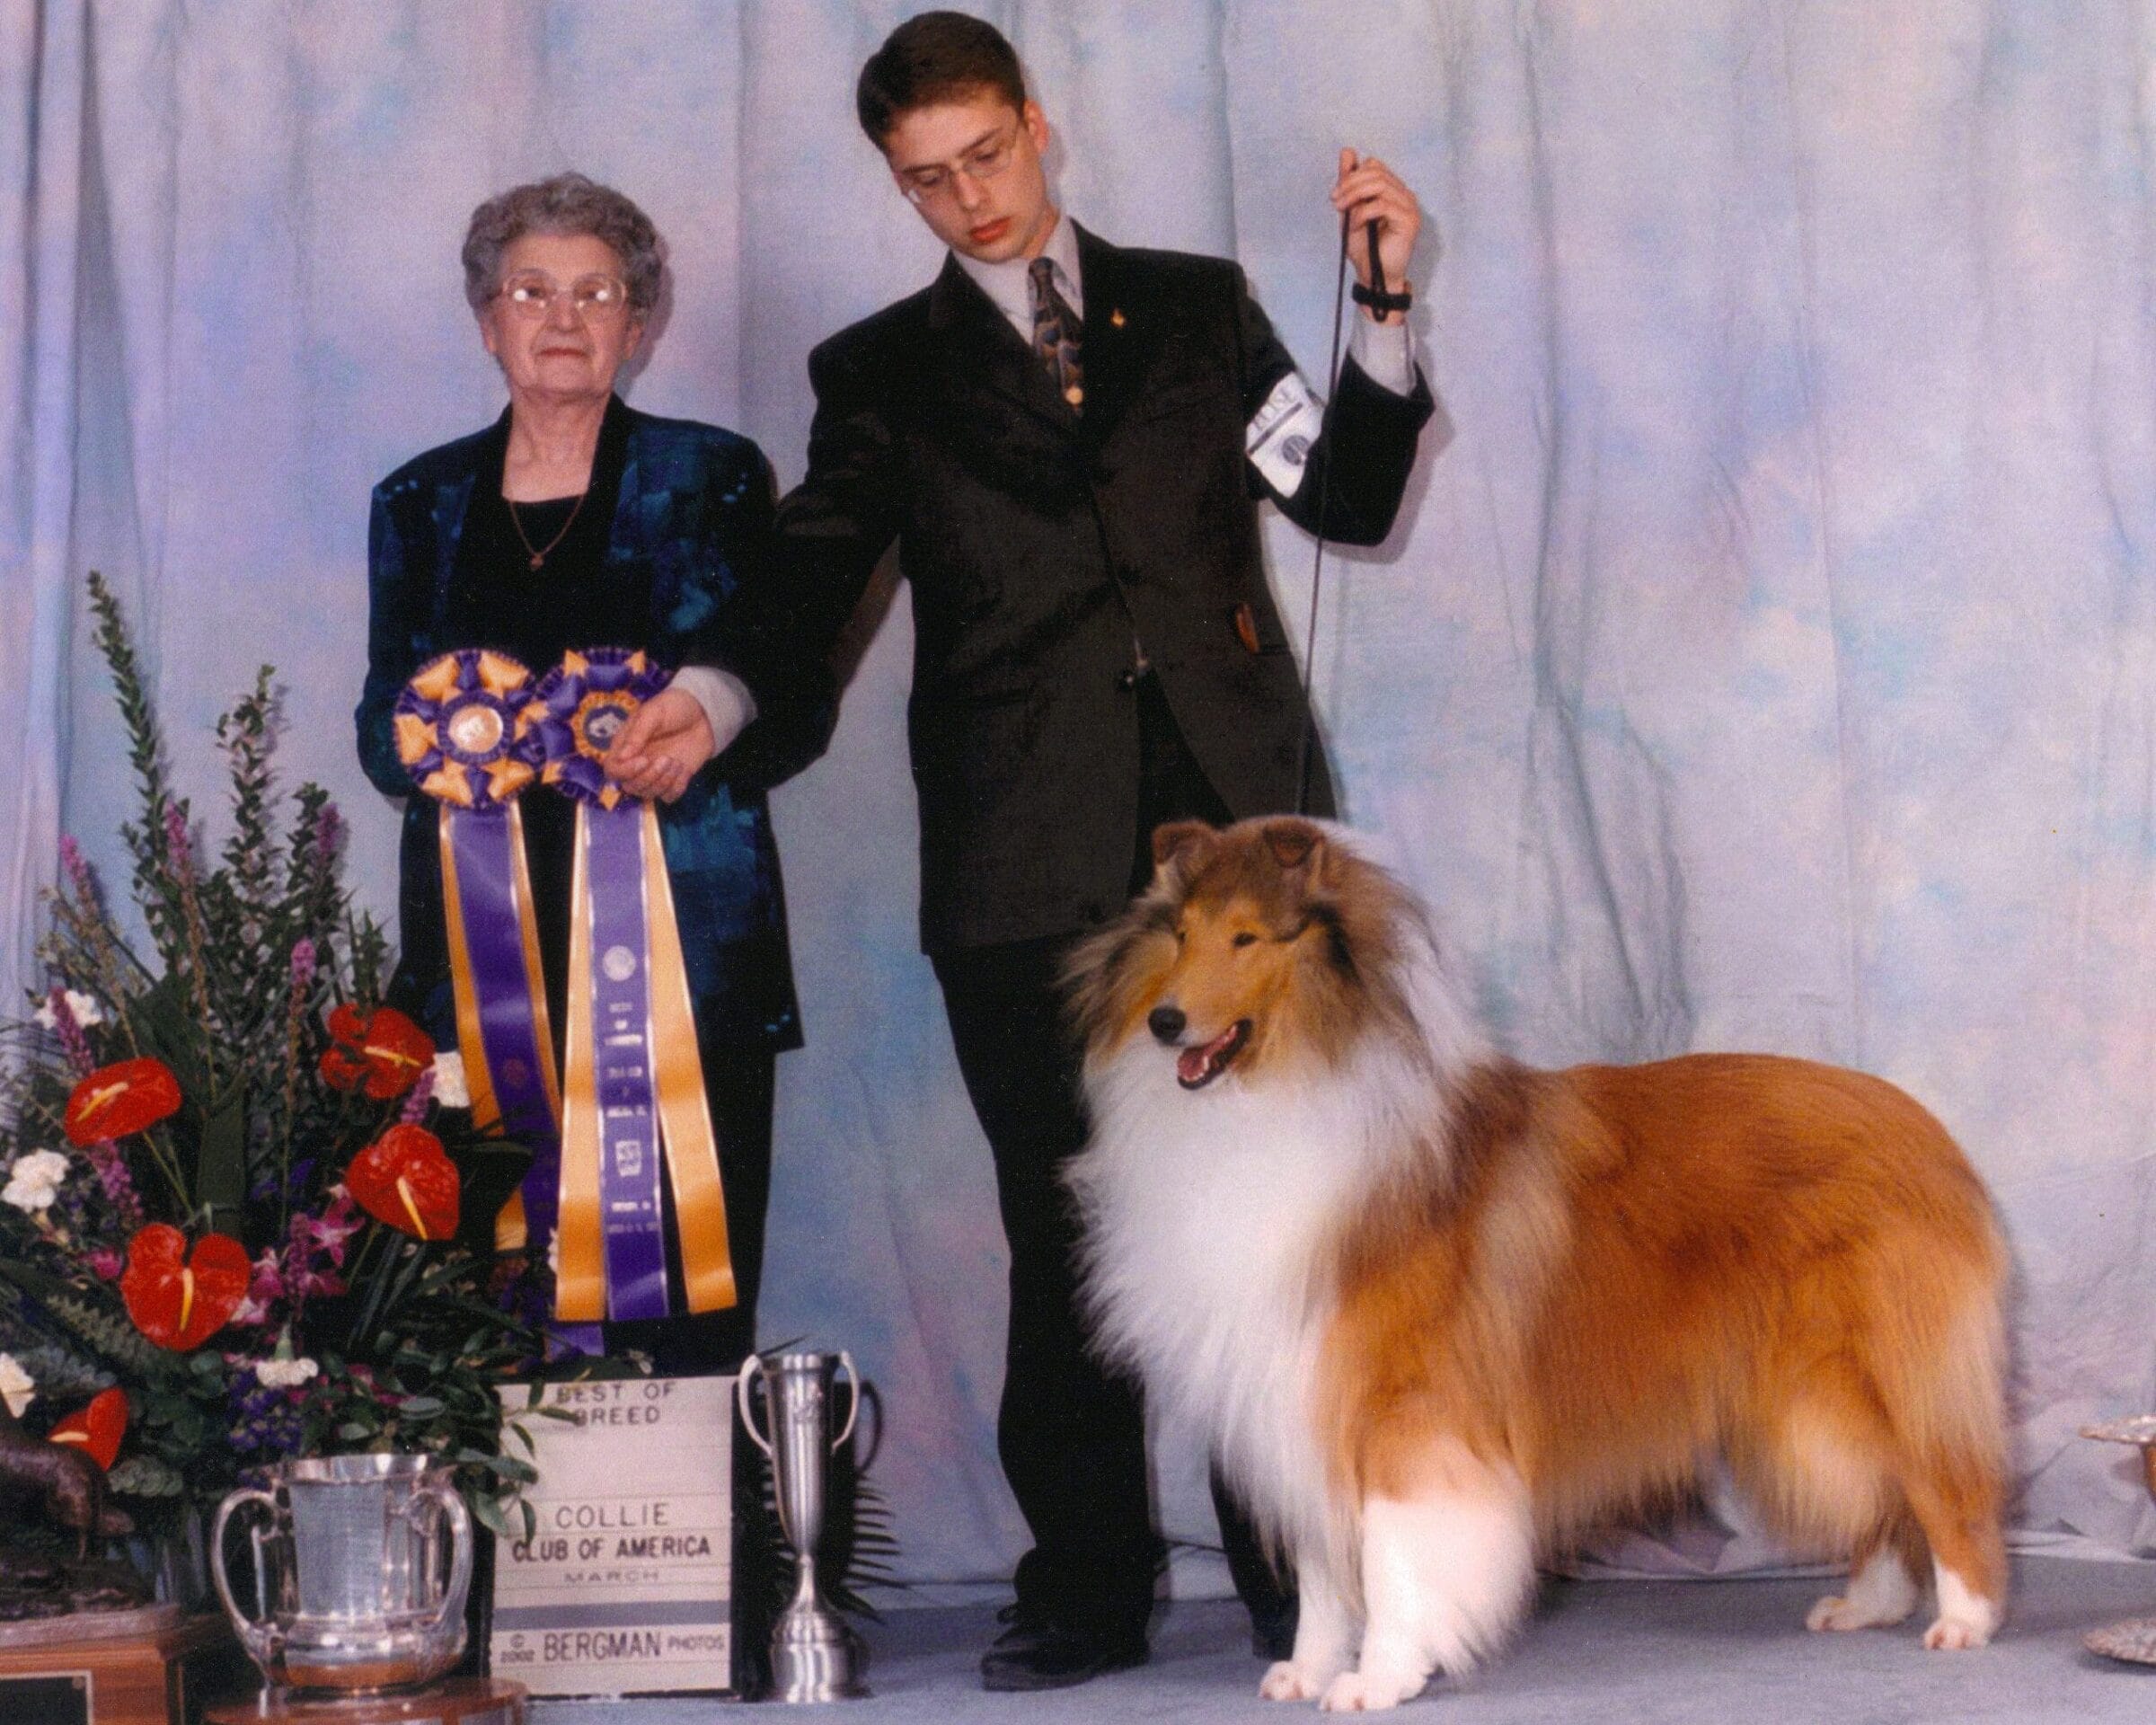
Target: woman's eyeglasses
[533,295]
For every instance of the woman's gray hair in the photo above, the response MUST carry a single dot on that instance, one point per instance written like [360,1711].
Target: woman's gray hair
[565,204]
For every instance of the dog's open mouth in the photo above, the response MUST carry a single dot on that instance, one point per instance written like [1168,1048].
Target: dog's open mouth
[1194,1068]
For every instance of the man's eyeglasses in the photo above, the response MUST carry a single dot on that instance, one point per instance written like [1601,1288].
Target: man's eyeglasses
[982,162]
[532,295]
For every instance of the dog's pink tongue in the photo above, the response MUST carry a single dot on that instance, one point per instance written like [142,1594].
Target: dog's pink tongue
[1195,1066]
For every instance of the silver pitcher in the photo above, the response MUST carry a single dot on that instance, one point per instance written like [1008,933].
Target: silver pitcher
[361,1566]
[814,1655]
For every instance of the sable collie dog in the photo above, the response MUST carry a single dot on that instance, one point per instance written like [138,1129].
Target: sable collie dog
[1438,1314]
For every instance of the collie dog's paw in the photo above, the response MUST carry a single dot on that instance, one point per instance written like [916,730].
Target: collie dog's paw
[1832,1612]
[1881,1591]
[1955,1634]
[1966,1618]
[1361,1692]
[1285,1680]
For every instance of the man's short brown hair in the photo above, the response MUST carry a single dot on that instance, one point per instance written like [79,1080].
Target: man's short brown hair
[935,56]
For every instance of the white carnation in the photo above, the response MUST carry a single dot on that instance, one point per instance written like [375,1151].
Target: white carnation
[284,1374]
[35,1179]
[85,1009]
[17,1389]
[450,1089]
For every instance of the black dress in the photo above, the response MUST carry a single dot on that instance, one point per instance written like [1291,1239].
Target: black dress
[573,600]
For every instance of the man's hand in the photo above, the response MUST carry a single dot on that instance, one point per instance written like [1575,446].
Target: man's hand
[1367,192]
[660,751]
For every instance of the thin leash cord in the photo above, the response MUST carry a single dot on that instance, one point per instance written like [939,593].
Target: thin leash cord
[1317,563]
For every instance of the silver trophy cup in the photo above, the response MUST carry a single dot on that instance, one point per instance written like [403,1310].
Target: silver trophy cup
[814,1655]
[361,1565]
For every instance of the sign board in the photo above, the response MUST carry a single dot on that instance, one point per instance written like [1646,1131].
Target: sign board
[625,1585]
[58,1699]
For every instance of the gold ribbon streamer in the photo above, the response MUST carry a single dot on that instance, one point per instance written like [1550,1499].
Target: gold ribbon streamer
[685,1136]
[579,1237]
[684,1112]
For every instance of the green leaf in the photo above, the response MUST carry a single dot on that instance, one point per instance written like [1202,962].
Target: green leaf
[221,1167]
[145,1476]
[489,1514]
[164,1024]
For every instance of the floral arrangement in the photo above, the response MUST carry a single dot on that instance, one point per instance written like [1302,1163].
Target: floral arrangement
[243,1213]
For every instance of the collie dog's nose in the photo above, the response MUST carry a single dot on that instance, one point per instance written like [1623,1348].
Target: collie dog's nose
[1166,1022]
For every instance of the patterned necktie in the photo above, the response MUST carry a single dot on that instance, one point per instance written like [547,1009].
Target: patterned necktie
[1057,331]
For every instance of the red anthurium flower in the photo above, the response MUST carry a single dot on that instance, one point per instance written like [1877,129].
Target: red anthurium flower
[179,1299]
[97,1429]
[382,1052]
[403,1179]
[117,1099]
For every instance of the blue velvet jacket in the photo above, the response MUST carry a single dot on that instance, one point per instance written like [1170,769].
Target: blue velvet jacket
[689,527]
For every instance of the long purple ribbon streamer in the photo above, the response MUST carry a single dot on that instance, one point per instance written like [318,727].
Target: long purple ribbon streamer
[508,1027]
[629,1176]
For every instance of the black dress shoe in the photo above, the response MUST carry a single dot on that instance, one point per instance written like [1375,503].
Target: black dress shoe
[1038,1652]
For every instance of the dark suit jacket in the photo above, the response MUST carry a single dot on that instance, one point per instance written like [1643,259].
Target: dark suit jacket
[1039,542]
[689,527]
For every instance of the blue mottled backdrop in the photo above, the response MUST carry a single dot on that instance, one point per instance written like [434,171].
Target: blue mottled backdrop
[1770,661]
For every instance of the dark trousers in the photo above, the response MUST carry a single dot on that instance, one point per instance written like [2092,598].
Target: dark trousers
[1071,1433]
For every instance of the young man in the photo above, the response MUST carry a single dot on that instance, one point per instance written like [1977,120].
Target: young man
[1065,438]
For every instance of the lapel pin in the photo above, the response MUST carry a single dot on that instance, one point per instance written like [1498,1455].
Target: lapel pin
[1115,318]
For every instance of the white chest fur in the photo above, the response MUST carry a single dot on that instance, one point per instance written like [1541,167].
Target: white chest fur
[1209,1217]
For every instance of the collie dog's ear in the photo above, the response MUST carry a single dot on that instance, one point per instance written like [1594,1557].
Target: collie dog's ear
[1294,843]
[1187,841]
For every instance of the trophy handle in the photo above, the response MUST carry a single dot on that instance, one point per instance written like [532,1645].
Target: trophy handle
[845,1365]
[258,1634]
[753,1364]
[460,1539]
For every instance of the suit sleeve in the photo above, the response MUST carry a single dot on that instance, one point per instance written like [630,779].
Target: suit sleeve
[391,606]
[1355,471]
[831,531]
[795,714]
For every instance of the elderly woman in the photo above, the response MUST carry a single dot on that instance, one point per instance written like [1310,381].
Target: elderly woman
[575,521]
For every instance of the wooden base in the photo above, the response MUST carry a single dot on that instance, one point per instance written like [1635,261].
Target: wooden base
[159,1676]
[455,1700]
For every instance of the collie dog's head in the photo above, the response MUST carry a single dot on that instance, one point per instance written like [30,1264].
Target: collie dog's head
[1256,948]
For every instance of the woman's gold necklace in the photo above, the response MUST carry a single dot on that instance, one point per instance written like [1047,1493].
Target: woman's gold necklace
[539,554]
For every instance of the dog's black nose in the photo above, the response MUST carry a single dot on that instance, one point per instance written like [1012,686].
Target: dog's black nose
[1166,1022]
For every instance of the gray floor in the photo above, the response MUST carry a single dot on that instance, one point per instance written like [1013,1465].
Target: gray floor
[1655,1652]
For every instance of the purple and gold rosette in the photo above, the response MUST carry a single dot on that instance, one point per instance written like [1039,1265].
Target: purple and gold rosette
[467,732]
[632,1085]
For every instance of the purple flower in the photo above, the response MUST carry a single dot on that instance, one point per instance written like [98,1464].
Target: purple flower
[302,968]
[68,1028]
[329,1232]
[329,832]
[265,1420]
[108,1162]
[78,871]
[179,847]
[416,1102]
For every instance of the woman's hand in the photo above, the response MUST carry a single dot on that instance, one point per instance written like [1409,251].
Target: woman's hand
[664,745]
